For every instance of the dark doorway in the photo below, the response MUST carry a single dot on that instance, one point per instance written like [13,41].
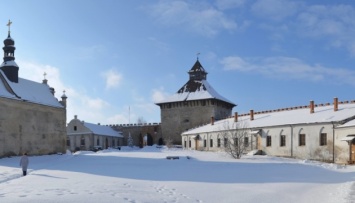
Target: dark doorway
[149,139]
[140,140]
[161,141]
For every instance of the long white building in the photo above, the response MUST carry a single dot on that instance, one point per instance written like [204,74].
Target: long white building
[323,132]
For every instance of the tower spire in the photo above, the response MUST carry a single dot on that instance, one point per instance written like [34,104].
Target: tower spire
[9,25]
[9,65]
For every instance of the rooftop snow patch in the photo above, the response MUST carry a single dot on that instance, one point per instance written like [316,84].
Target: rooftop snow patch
[195,90]
[323,114]
[28,90]
[102,130]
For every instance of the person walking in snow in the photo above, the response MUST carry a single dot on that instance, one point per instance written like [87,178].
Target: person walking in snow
[24,163]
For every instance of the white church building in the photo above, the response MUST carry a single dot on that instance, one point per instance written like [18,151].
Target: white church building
[323,132]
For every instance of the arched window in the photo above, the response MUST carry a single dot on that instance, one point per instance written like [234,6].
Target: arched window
[282,140]
[323,139]
[302,139]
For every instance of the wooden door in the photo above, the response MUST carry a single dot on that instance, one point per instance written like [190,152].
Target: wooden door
[196,144]
[352,151]
[258,140]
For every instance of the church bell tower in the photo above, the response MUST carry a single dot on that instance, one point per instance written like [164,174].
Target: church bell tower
[9,66]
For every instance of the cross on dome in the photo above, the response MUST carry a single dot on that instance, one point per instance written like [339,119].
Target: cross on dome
[9,25]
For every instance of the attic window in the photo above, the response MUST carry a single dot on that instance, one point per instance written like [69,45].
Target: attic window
[75,128]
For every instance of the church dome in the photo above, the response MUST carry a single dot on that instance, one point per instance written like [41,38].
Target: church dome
[9,41]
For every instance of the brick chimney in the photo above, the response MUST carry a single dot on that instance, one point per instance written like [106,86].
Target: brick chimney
[212,120]
[251,115]
[235,116]
[311,106]
[336,104]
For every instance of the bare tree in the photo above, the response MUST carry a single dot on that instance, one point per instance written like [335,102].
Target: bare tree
[169,142]
[237,140]
[141,120]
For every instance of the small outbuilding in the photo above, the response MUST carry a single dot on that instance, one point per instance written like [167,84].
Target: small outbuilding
[88,136]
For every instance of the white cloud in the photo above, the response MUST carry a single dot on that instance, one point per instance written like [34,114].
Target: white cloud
[35,72]
[199,18]
[158,94]
[96,103]
[78,103]
[162,46]
[289,68]
[90,51]
[334,23]
[112,78]
[118,119]
[275,9]
[229,4]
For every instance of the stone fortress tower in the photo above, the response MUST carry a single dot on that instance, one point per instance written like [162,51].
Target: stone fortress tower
[196,103]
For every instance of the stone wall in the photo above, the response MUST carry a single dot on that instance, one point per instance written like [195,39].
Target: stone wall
[32,128]
[137,131]
[181,116]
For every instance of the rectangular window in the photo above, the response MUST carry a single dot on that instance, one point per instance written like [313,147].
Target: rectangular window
[82,141]
[189,143]
[302,140]
[97,141]
[75,128]
[246,141]
[68,142]
[219,142]
[204,143]
[268,141]
[236,143]
[185,144]
[282,140]
[225,142]
[211,142]
[323,139]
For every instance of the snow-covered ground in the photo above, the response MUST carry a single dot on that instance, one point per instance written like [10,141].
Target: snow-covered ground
[145,175]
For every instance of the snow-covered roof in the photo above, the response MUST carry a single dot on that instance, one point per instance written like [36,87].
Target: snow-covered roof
[9,63]
[102,130]
[203,91]
[322,114]
[348,124]
[28,91]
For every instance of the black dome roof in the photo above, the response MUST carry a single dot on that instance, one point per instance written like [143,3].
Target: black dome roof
[9,41]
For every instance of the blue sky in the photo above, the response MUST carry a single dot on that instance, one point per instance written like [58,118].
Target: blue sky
[116,58]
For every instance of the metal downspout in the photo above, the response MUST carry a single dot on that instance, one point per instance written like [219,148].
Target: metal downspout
[333,143]
[291,141]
